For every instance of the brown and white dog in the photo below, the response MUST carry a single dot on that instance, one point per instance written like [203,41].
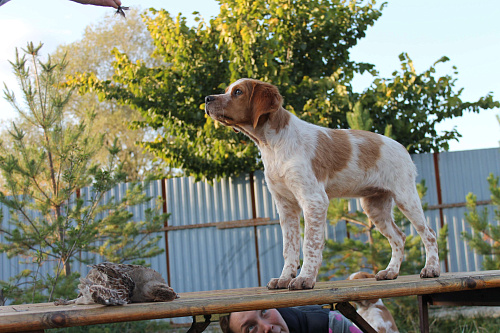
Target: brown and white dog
[307,165]
[374,311]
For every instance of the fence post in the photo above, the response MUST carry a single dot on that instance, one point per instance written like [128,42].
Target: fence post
[254,216]
[165,224]
[440,199]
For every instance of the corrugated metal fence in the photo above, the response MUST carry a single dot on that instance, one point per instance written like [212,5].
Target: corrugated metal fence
[205,254]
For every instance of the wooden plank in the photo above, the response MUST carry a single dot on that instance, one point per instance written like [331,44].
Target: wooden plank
[260,221]
[225,225]
[458,204]
[42,316]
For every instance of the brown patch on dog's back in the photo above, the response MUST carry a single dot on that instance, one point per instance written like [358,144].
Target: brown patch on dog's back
[333,152]
[369,149]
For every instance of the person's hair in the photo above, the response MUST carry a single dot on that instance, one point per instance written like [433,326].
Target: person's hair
[224,324]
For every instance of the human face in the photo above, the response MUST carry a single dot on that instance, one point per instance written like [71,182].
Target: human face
[260,321]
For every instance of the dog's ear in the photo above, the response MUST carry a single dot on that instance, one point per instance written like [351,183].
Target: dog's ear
[265,99]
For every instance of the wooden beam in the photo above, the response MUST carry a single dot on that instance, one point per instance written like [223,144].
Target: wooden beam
[17,318]
[423,310]
[225,225]
[259,221]
[458,204]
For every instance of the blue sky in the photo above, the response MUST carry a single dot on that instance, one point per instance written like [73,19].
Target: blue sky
[468,32]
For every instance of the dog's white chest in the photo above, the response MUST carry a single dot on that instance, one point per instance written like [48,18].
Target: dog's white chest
[277,185]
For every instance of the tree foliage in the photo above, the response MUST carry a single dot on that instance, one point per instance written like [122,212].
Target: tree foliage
[300,46]
[412,104]
[47,163]
[93,54]
[485,236]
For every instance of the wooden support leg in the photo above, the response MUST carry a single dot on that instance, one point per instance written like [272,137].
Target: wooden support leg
[350,312]
[198,327]
[423,309]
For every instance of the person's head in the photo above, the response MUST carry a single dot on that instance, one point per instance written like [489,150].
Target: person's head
[257,321]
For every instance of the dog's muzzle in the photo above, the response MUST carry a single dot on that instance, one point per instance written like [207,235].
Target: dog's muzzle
[208,99]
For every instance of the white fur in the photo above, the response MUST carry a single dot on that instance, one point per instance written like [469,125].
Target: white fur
[375,314]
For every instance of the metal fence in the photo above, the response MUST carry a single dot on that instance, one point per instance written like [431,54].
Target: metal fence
[204,253]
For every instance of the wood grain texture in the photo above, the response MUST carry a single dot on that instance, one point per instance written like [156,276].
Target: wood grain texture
[30,317]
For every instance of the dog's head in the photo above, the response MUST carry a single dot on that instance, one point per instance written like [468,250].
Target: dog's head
[244,103]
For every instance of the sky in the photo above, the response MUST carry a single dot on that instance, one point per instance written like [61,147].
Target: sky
[467,32]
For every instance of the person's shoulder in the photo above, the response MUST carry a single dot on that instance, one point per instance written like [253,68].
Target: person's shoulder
[339,324]
[312,308]
[306,319]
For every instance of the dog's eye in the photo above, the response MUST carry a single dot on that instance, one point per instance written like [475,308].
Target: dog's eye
[238,92]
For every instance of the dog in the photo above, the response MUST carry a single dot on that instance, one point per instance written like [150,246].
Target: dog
[306,165]
[374,311]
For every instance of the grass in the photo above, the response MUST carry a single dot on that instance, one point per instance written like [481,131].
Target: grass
[150,326]
[465,325]
[406,315]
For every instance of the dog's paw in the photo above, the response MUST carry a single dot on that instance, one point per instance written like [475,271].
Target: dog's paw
[430,272]
[278,283]
[386,274]
[300,283]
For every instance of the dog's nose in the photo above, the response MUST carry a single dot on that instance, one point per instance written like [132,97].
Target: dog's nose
[208,99]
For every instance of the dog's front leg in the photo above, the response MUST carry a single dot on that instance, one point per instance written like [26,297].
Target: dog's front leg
[315,210]
[289,213]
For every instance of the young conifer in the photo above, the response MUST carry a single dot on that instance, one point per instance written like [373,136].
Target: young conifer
[56,195]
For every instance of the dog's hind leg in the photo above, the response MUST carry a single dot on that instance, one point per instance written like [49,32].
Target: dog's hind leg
[378,208]
[410,205]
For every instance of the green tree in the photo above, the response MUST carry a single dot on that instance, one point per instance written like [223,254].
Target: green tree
[44,164]
[300,46]
[92,54]
[412,104]
[303,48]
[359,118]
[485,236]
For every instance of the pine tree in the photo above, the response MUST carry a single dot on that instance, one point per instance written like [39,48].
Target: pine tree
[359,118]
[45,162]
[485,237]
